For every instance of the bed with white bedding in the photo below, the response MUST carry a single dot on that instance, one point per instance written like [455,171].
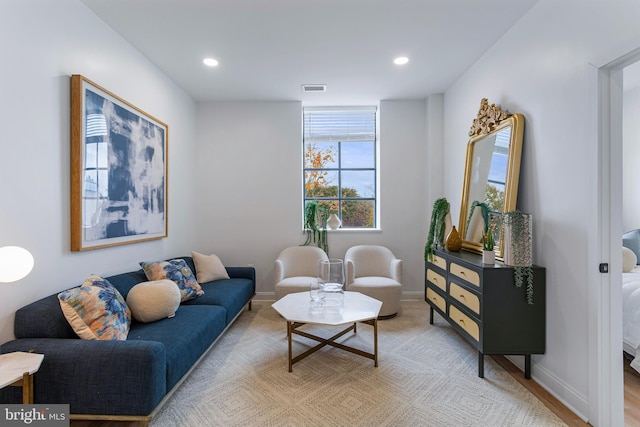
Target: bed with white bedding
[631,315]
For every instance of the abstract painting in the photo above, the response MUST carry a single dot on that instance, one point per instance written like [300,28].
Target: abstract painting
[118,170]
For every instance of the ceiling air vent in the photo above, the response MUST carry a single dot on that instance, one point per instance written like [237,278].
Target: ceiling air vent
[314,88]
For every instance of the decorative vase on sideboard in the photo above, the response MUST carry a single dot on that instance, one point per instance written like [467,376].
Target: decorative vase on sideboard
[453,242]
[448,224]
[518,239]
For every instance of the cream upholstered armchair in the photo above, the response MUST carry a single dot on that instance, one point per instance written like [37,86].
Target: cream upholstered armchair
[375,271]
[296,268]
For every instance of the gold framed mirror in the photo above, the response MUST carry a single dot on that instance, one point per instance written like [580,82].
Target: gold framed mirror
[491,175]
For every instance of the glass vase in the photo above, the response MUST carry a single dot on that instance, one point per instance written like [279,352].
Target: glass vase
[331,277]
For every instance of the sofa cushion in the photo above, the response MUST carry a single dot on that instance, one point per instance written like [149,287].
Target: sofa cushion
[185,336]
[151,301]
[42,319]
[125,281]
[233,294]
[208,267]
[96,310]
[176,270]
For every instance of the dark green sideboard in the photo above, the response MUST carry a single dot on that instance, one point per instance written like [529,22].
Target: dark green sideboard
[483,304]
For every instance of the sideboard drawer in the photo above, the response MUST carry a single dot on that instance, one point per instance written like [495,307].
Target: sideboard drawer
[465,297]
[437,279]
[433,297]
[464,273]
[440,262]
[465,322]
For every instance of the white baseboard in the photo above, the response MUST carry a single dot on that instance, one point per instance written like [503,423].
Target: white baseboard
[413,296]
[265,296]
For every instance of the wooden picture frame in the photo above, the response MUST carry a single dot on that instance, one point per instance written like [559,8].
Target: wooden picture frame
[118,170]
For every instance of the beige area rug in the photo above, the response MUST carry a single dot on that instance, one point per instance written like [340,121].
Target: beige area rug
[427,376]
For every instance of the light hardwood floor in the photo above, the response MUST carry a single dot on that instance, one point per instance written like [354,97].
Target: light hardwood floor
[631,395]
[543,395]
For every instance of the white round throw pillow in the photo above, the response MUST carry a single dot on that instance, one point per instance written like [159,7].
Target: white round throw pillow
[151,301]
[629,260]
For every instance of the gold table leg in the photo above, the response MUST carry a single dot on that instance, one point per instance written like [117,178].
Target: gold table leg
[375,342]
[292,329]
[27,388]
[289,329]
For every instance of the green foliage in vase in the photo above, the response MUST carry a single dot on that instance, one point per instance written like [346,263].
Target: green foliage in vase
[436,228]
[519,224]
[315,225]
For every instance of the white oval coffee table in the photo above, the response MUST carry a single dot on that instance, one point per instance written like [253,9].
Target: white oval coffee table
[297,311]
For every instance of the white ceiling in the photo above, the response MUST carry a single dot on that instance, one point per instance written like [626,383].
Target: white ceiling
[268,48]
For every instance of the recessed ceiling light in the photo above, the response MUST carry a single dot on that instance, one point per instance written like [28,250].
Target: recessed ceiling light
[210,62]
[401,60]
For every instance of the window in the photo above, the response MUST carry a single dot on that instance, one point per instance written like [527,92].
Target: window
[340,162]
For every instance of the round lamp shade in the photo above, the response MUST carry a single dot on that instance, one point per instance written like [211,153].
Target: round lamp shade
[15,263]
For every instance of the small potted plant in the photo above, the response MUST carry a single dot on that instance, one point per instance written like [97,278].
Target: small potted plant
[488,243]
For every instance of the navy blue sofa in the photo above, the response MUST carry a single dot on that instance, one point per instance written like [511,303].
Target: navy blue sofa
[112,379]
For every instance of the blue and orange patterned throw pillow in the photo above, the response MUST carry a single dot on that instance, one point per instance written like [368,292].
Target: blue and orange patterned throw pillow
[178,271]
[96,310]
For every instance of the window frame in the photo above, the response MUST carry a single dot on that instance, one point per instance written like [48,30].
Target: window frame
[338,169]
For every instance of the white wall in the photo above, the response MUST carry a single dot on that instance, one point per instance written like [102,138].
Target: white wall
[631,155]
[248,182]
[250,186]
[44,42]
[540,68]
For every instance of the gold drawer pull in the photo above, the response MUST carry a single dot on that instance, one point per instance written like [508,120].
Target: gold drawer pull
[461,321]
[462,296]
[462,272]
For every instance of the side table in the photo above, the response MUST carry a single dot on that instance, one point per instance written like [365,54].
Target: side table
[17,369]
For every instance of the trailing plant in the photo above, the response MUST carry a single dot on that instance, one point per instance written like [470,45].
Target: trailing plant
[315,225]
[485,215]
[519,225]
[436,228]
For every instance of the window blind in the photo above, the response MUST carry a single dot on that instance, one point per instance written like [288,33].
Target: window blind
[339,124]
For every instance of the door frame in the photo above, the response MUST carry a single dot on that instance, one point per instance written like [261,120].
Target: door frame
[606,380]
